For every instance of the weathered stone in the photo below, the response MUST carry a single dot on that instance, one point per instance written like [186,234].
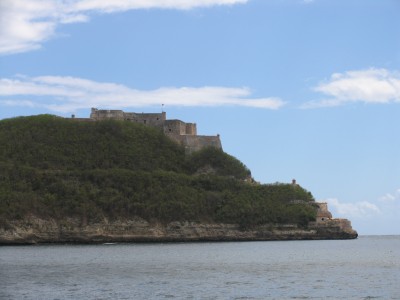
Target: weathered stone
[36,230]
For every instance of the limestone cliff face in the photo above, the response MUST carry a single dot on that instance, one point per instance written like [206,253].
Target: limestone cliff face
[35,230]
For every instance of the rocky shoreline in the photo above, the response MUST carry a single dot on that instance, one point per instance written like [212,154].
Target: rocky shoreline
[37,231]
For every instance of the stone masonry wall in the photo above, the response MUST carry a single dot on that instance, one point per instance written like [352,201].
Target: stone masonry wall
[154,119]
[193,143]
[191,129]
[174,127]
[106,114]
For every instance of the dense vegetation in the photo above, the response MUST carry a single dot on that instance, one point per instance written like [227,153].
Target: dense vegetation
[56,168]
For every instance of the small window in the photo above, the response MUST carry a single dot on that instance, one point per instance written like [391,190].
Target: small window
[170,129]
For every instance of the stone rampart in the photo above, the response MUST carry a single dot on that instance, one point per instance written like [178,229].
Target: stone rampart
[152,119]
[104,114]
[193,143]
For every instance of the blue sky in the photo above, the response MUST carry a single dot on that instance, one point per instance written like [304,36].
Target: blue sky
[304,89]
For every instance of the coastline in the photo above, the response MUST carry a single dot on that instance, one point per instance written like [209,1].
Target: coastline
[39,231]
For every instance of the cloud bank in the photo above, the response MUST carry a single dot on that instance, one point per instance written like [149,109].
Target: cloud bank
[362,86]
[26,24]
[354,210]
[376,217]
[69,94]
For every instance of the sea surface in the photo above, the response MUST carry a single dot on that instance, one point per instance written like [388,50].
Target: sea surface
[365,268]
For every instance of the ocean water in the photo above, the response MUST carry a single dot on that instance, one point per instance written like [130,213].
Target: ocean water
[365,268]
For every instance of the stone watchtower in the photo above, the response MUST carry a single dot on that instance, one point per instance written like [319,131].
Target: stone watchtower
[323,214]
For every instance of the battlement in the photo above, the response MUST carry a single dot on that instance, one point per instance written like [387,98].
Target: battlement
[179,131]
[152,119]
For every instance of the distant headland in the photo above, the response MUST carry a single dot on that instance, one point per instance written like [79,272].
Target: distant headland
[129,177]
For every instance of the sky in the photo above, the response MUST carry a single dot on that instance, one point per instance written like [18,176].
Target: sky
[297,89]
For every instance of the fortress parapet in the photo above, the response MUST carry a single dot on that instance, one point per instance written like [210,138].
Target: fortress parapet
[152,119]
[179,131]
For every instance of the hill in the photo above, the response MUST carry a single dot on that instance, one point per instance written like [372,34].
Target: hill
[58,168]
[71,180]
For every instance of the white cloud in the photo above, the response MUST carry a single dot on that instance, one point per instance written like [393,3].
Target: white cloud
[23,103]
[26,24]
[123,5]
[68,94]
[379,216]
[366,86]
[391,198]
[357,209]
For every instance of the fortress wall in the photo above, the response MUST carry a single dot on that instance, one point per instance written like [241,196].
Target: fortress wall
[193,143]
[154,119]
[191,129]
[174,127]
[106,114]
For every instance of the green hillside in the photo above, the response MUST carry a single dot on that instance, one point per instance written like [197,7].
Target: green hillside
[57,168]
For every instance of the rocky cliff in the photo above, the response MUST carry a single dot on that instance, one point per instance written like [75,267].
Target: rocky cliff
[35,230]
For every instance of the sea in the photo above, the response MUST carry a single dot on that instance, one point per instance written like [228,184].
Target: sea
[364,268]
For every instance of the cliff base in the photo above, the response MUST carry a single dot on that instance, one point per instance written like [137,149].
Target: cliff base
[35,230]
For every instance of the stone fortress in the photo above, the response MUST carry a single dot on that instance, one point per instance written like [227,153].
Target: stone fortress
[183,133]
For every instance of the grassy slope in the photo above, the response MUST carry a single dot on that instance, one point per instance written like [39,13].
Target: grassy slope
[54,167]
